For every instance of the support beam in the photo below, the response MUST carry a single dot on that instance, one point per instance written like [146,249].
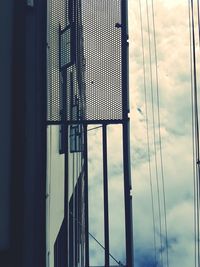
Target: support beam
[66,197]
[127,195]
[105,187]
[86,198]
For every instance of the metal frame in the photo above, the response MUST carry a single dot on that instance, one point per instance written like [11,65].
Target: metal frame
[126,138]
[125,122]
[105,189]
[127,196]
[87,263]
[66,207]
[88,122]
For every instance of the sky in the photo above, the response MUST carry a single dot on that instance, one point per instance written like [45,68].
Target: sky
[173,61]
[172,40]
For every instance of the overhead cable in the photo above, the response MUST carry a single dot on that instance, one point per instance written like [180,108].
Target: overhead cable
[147,134]
[196,129]
[154,135]
[193,140]
[159,132]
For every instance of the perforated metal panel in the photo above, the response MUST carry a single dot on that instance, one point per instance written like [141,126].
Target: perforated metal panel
[84,60]
[56,18]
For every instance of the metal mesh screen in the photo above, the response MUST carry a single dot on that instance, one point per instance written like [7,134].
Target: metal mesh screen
[56,16]
[84,54]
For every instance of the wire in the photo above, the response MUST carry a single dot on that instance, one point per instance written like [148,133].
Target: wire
[198,12]
[193,141]
[118,262]
[196,126]
[91,129]
[154,135]
[147,133]
[159,132]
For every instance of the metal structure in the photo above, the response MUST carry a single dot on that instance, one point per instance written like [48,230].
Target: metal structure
[88,84]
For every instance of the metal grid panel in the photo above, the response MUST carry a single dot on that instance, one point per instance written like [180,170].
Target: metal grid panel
[56,18]
[96,69]
[102,46]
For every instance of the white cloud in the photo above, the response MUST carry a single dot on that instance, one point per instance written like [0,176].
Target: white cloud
[175,112]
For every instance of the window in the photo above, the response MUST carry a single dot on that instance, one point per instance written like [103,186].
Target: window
[66,49]
[76,138]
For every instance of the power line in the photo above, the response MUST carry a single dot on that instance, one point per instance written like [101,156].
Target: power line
[159,131]
[154,134]
[198,12]
[147,133]
[193,141]
[196,124]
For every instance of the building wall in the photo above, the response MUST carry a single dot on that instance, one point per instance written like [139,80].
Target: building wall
[6,33]
[23,133]
[56,188]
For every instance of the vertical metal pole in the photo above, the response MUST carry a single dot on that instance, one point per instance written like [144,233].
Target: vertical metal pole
[127,195]
[76,211]
[105,187]
[86,198]
[125,59]
[64,130]
[126,138]
[66,204]
[71,95]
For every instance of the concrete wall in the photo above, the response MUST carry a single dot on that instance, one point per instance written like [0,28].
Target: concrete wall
[6,32]
[23,133]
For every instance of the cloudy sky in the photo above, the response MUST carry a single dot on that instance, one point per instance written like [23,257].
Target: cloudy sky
[173,61]
[172,36]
